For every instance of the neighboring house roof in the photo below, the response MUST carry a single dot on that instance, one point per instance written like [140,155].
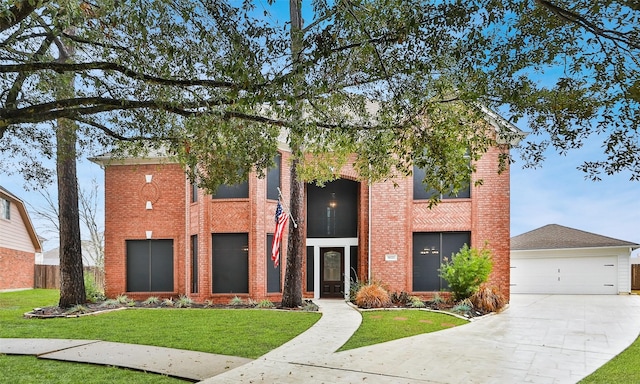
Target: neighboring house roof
[5,194]
[52,257]
[554,236]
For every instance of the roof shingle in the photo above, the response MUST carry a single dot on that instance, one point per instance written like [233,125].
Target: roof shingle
[553,236]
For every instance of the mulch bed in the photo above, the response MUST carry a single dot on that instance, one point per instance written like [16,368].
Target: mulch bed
[89,309]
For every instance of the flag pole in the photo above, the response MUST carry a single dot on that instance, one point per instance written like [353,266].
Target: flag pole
[295,225]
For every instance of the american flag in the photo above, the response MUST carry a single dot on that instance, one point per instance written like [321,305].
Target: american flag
[281,222]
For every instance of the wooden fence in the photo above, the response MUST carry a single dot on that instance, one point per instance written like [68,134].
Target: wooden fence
[48,276]
[635,277]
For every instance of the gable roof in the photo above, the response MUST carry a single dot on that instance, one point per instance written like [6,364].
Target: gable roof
[4,193]
[553,236]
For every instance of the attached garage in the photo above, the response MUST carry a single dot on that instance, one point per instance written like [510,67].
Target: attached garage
[561,260]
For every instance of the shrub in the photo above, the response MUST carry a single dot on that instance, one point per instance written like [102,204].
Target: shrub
[152,300]
[122,299]
[416,302]
[168,302]
[488,299]
[310,306]
[184,302]
[467,270]
[93,293]
[236,301]
[372,296]
[354,287]
[401,298]
[265,304]
[463,307]
[110,303]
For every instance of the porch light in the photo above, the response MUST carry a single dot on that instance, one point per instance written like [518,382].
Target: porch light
[333,202]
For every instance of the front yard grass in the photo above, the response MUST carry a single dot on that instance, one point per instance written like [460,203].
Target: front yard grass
[29,369]
[236,332]
[380,326]
[622,369]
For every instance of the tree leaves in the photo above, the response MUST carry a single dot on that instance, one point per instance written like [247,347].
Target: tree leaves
[186,71]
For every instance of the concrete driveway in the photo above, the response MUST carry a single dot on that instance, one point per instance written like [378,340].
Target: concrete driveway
[538,339]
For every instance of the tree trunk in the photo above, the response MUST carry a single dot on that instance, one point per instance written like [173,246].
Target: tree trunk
[292,291]
[71,273]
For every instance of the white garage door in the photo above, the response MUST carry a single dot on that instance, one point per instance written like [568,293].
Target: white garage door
[571,275]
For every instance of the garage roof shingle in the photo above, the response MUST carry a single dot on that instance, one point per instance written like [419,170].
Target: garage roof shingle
[553,236]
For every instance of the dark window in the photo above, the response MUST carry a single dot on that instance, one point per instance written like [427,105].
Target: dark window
[194,264]
[194,192]
[273,178]
[6,209]
[309,269]
[235,191]
[424,192]
[149,265]
[273,273]
[332,210]
[429,251]
[230,264]
[354,263]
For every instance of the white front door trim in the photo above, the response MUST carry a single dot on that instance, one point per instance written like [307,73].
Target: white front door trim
[317,243]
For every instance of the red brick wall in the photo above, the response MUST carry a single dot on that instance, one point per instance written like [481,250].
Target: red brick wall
[126,195]
[491,217]
[16,269]
[394,217]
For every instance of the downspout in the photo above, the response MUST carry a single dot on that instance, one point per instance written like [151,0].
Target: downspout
[369,237]
[187,239]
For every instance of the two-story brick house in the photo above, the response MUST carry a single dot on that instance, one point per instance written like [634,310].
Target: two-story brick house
[163,237]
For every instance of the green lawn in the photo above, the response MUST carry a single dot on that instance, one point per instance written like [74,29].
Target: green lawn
[622,369]
[237,332]
[380,326]
[29,370]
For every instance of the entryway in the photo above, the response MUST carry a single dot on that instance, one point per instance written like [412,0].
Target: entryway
[332,272]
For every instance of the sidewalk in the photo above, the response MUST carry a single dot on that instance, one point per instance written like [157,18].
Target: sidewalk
[337,324]
[190,365]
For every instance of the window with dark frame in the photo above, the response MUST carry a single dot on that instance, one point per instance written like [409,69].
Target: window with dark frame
[149,265]
[230,263]
[235,191]
[420,192]
[429,251]
[194,192]
[194,263]
[273,273]
[273,178]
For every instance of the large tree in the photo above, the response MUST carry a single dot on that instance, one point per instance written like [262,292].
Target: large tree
[396,82]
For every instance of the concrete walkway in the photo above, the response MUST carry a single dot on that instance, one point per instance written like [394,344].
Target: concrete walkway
[190,365]
[539,339]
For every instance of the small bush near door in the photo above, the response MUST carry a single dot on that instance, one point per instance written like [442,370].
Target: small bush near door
[466,271]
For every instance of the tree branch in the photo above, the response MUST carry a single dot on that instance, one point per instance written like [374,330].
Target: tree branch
[567,15]
[107,66]
[19,12]
[76,107]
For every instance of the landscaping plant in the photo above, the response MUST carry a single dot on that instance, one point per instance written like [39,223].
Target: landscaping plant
[466,271]
[372,295]
[488,299]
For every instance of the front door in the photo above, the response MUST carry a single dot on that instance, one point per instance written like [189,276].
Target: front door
[332,272]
